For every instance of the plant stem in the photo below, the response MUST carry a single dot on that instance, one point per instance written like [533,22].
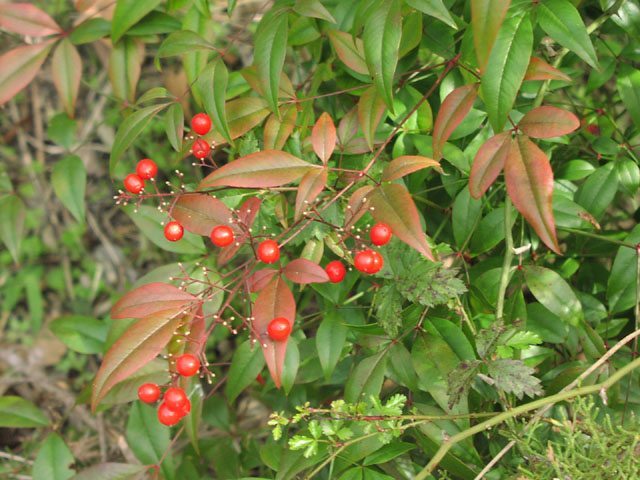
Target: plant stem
[597,237]
[508,258]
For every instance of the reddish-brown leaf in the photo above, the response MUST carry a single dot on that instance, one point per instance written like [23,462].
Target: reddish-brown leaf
[529,181]
[27,19]
[277,132]
[303,271]
[310,187]
[200,214]
[371,108]
[248,211]
[401,166]
[275,300]
[152,298]
[270,168]
[348,127]
[351,54]
[260,279]
[197,331]
[136,347]
[392,204]
[486,18]
[548,122]
[452,111]
[488,163]
[323,137]
[541,70]
[19,66]
[286,89]
[358,205]
[67,70]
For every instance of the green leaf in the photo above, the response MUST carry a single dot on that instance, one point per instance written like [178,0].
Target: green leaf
[513,376]
[12,213]
[277,132]
[126,391]
[552,291]
[53,460]
[66,66]
[62,130]
[90,30]
[192,421]
[269,53]
[621,289]
[388,452]
[402,366]
[330,340]
[124,69]
[628,83]
[486,18]
[212,85]
[149,439]
[154,23]
[506,68]
[434,8]
[460,379]
[174,125]
[561,21]
[350,51]
[313,9]
[366,379]
[129,130]
[127,14]
[69,181]
[290,366]
[247,363]
[19,66]
[195,62]
[16,412]
[388,306]
[112,471]
[80,333]
[370,112]
[381,41]
[466,211]
[597,193]
[184,41]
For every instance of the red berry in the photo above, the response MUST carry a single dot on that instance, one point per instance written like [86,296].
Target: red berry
[368,261]
[336,271]
[200,148]
[201,123]
[133,183]
[268,251]
[187,365]
[173,231]
[222,236]
[186,409]
[175,399]
[167,416]
[380,234]
[146,169]
[279,328]
[149,392]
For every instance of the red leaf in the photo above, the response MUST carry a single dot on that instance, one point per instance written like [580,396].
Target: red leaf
[371,108]
[351,54]
[19,66]
[541,70]
[548,122]
[358,205]
[394,206]
[200,214]
[27,19]
[452,111]
[270,168]
[260,279]
[323,137]
[302,270]
[310,187]
[277,132]
[488,163]
[197,331]
[401,166]
[136,347]
[486,18]
[275,300]
[529,181]
[150,299]
[67,70]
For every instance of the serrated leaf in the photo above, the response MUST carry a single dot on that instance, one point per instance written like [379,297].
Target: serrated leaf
[174,125]
[140,344]
[124,68]
[381,42]
[406,164]
[12,214]
[313,9]
[112,471]
[552,291]
[435,9]
[127,14]
[488,163]
[548,122]
[486,19]
[513,376]
[460,380]
[150,299]
[69,181]
[371,109]
[349,51]
[269,168]
[541,70]
[452,112]
[628,83]
[17,412]
[67,71]
[366,379]
[506,68]
[310,187]
[330,339]
[561,21]
[394,206]
[53,460]
[246,364]
[27,19]
[277,131]
[270,48]
[305,271]
[212,85]
[19,66]
[529,180]
[324,137]
[388,307]
[200,214]
[80,333]
[129,130]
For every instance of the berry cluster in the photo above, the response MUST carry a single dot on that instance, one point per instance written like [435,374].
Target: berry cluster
[175,404]
[145,170]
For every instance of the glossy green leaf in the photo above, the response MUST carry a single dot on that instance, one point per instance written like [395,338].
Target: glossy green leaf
[548,122]
[242,115]
[628,176]
[269,53]
[27,19]
[366,379]
[312,183]
[53,460]
[124,68]
[628,83]
[69,181]
[153,94]
[561,21]
[349,51]
[330,339]
[90,30]
[80,333]
[506,68]
[388,452]
[127,14]
[552,291]
[290,366]
[621,288]
[452,112]
[62,130]
[314,9]
[597,193]
[486,19]
[212,85]
[381,42]
[192,421]
[155,23]
[434,8]
[112,471]
[402,366]
[67,69]
[195,62]
[174,125]
[246,364]
[16,412]
[490,231]
[19,66]
[574,170]
[12,213]
[371,110]
[466,211]
[488,163]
